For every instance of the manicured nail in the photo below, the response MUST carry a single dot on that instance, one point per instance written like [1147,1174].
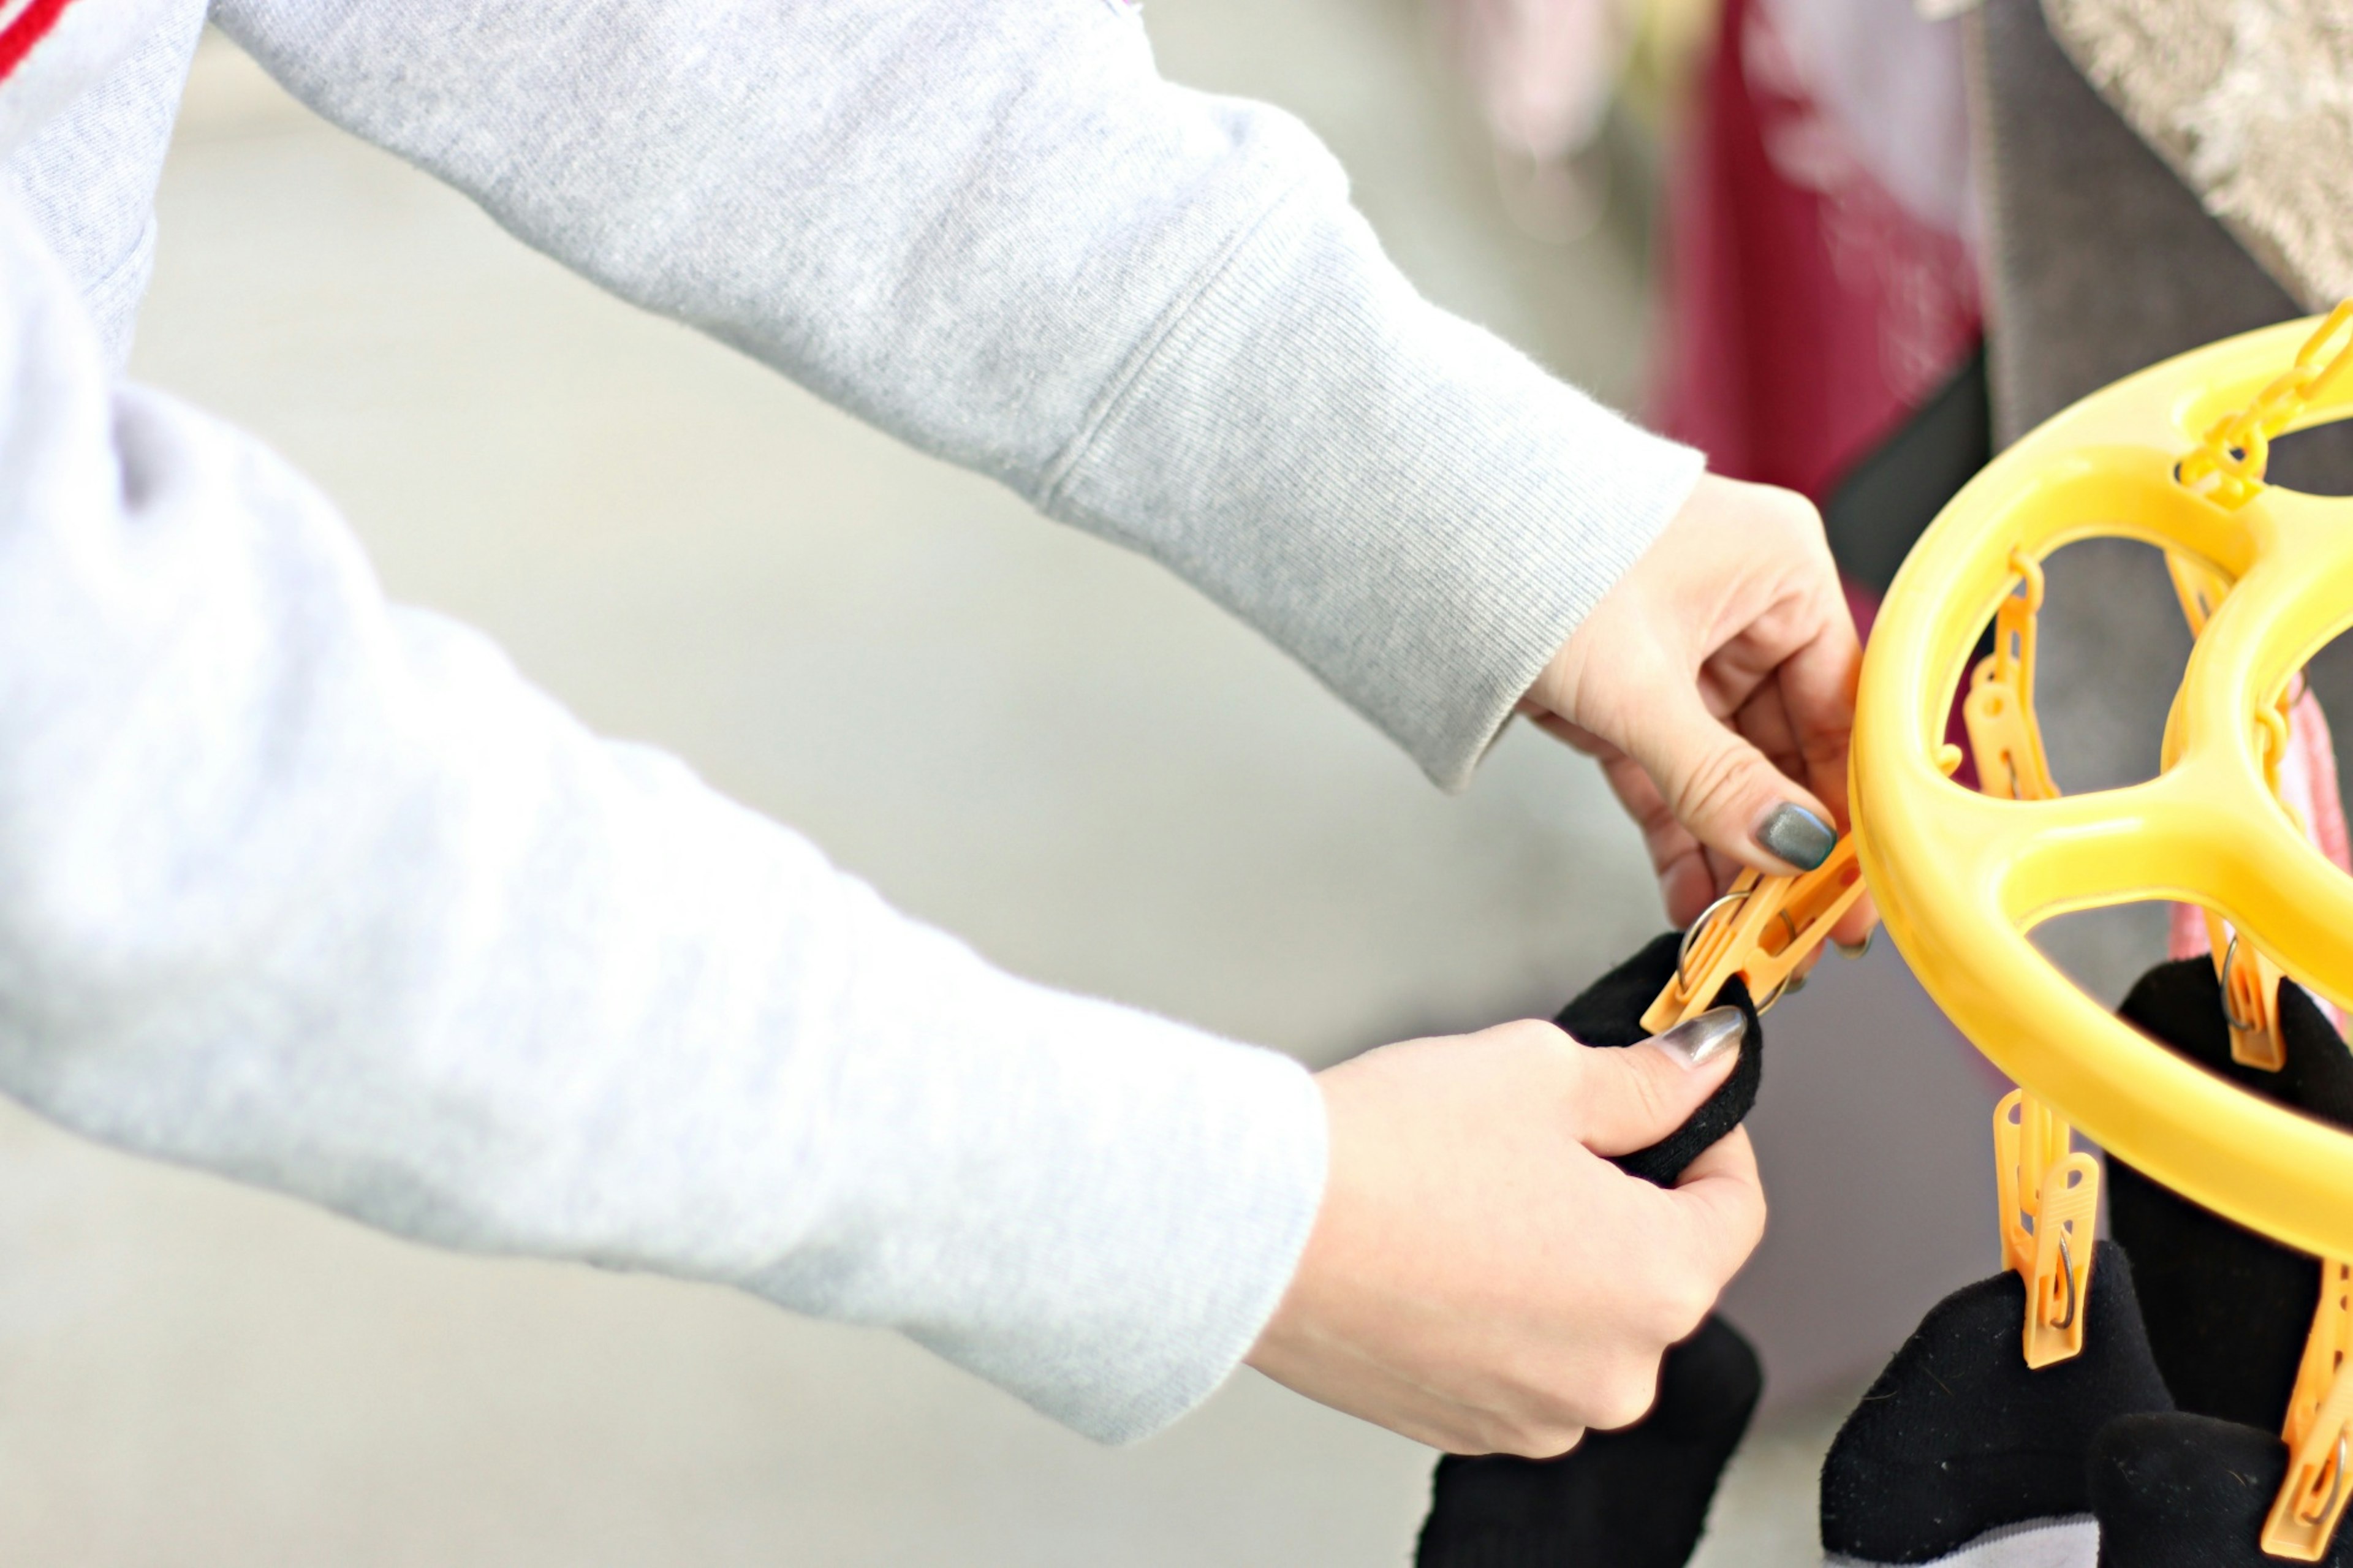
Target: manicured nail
[1695,1042]
[1797,836]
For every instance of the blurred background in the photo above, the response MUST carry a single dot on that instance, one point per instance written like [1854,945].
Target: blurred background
[1016,732]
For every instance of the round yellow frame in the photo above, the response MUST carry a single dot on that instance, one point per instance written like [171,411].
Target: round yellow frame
[1960,877]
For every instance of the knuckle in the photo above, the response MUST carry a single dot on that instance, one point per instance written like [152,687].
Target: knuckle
[1625,1394]
[1549,1441]
[1794,512]
[1533,1034]
[1653,1092]
[1683,1309]
[1750,1221]
[1713,786]
[1676,1299]
[1533,1437]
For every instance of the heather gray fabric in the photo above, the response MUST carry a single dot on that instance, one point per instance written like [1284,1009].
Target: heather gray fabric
[315,891]
[2099,262]
[994,231]
[88,175]
[319,893]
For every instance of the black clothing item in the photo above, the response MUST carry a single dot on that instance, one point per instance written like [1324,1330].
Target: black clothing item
[1957,1438]
[1636,1497]
[1609,1013]
[1887,502]
[2227,1309]
[2190,1491]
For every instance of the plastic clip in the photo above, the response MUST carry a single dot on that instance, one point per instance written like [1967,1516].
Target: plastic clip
[1999,707]
[2049,1196]
[1762,930]
[2198,586]
[2319,1427]
[2250,983]
[2249,980]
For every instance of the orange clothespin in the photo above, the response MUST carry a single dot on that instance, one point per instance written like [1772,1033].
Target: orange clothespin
[1762,930]
[2319,1426]
[1999,707]
[2249,979]
[2250,983]
[2049,1196]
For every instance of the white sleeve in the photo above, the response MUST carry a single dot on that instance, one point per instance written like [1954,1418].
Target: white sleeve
[317,892]
[990,227]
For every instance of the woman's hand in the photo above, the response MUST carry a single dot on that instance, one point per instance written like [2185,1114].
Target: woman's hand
[1479,1276]
[1716,684]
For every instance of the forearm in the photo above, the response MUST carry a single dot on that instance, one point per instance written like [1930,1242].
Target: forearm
[995,231]
[319,893]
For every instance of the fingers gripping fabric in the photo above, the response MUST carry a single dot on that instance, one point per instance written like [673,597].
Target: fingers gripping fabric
[1962,1456]
[1638,1497]
[1609,1014]
[1631,1498]
[2227,1309]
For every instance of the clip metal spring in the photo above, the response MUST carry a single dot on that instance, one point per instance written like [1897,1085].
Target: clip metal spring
[1763,930]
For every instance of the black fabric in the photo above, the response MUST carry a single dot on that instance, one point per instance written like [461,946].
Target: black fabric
[1609,1013]
[1887,502]
[1636,1497]
[1958,1437]
[2189,1492]
[2227,1309]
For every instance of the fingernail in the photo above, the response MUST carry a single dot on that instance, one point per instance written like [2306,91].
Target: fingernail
[1695,1042]
[1797,836]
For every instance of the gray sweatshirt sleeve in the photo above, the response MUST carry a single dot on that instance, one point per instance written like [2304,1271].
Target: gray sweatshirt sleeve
[317,892]
[989,226]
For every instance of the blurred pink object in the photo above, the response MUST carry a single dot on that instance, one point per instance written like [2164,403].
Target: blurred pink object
[1543,70]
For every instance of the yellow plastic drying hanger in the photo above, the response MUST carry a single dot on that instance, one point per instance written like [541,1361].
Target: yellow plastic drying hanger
[1960,877]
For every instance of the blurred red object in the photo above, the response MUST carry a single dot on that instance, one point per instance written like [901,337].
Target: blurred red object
[1810,310]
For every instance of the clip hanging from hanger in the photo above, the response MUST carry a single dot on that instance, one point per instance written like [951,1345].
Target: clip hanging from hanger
[2000,708]
[2318,1429]
[1762,930]
[2250,983]
[2049,1196]
[2249,979]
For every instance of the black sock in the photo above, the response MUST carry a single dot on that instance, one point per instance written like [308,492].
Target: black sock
[2227,1309]
[1638,1497]
[1958,1442]
[1609,1013]
[2190,1491]
[1635,1498]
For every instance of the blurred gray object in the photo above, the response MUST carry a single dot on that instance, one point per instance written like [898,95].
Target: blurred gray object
[2099,261]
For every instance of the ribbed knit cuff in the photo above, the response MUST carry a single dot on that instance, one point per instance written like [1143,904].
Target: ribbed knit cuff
[1409,506]
[1094,1208]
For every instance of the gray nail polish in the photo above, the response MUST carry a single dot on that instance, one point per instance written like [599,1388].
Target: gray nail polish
[1695,1042]
[1797,836]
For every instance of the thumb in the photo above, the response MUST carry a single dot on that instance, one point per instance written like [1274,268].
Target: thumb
[1725,791]
[1630,1099]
